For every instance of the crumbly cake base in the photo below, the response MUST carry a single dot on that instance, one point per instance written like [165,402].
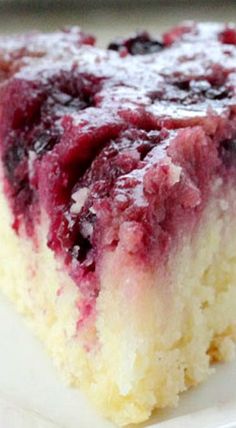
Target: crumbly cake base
[143,348]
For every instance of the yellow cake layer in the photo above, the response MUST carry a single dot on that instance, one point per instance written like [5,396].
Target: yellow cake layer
[155,332]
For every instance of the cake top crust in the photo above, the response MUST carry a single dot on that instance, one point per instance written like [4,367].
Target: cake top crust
[108,141]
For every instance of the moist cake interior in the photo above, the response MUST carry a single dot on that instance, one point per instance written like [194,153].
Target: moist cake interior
[118,201]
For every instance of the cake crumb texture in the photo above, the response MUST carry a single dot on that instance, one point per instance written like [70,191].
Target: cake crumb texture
[151,349]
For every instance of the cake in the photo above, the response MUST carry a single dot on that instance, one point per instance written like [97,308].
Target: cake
[118,203]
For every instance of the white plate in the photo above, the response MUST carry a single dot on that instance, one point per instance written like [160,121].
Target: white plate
[32,394]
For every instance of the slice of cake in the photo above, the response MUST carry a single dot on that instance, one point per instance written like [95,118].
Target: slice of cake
[118,207]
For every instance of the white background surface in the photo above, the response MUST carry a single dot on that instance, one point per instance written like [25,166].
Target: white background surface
[32,394]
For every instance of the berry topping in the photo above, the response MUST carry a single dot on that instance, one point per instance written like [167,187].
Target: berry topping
[228,36]
[116,147]
[140,44]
